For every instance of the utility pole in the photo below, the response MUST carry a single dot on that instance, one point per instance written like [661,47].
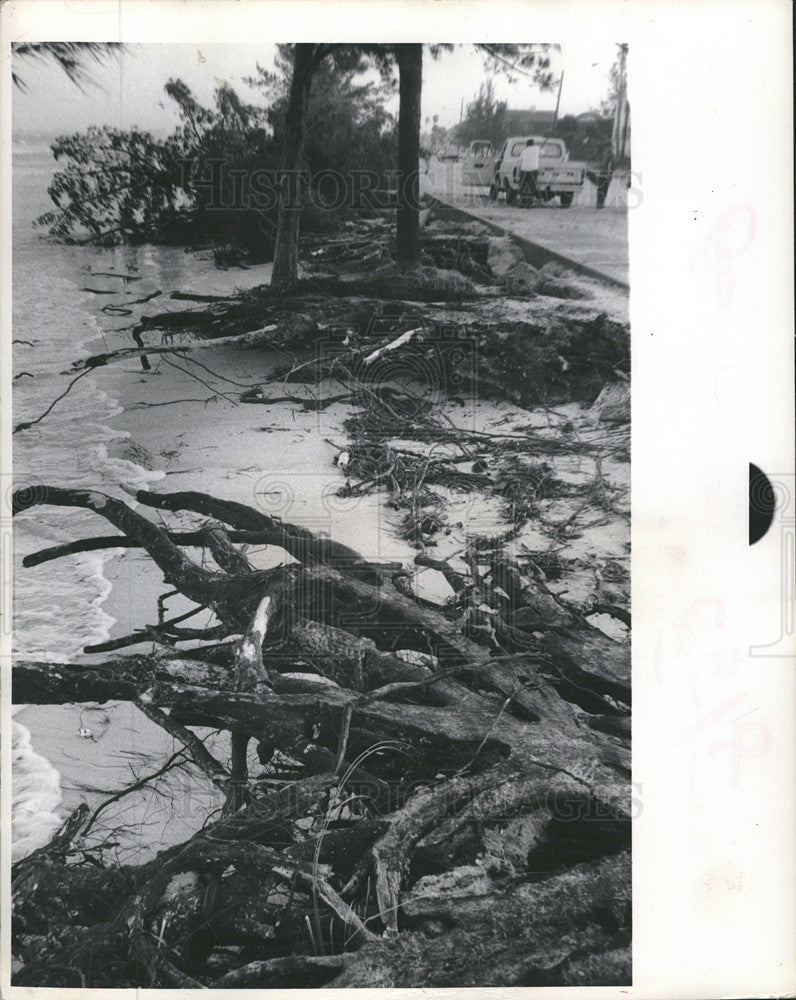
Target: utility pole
[555,117]
[558,102]
[620,115]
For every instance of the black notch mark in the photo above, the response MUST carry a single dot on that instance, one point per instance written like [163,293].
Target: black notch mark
[762,502]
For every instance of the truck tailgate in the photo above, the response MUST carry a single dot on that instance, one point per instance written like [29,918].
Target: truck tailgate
[553,176]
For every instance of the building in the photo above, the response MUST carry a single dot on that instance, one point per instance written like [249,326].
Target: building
[530,122]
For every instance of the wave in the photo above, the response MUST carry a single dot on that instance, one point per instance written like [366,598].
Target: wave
[35,796]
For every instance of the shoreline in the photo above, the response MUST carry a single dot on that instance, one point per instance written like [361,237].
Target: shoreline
[218,448]
[275,458]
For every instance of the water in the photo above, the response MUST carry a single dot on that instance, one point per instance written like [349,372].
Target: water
[58,606]
[36,795]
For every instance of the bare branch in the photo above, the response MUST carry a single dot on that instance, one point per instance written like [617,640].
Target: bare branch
[198,752]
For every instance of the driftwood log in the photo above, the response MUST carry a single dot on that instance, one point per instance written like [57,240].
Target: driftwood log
[486,775]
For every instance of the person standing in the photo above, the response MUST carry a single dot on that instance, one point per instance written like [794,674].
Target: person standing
[605,171]
[529,171]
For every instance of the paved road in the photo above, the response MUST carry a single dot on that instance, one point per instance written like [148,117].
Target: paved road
[597,239]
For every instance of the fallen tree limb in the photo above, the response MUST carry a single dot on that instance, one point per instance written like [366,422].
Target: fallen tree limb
[196,297]
[61,841]
[355,662]
[270,536]
[392,853]
[129,789]
[392,608]
[25,424]
[163,632]
[146,298]
[203,851]
[96,360]
[299,542]
[215,537]
[454,735]
[256,395]
[296,971]
[196,749]
[153,633]
[218,591]
[391,346]
[520,935]
[195,582]
[230,398]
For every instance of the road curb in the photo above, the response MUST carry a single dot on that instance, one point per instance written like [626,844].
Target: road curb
[535,253]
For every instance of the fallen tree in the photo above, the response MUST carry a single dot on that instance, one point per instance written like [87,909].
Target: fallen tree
[441,804]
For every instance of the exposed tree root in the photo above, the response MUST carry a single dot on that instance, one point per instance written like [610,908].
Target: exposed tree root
[433,758]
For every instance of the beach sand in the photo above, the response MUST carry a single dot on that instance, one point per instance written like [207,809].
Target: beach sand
[99,750]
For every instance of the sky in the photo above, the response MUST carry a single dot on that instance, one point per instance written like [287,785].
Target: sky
[128,91]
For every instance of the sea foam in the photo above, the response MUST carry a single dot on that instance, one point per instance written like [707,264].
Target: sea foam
[35,796]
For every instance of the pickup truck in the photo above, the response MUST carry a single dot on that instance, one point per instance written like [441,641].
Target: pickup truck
[558,176]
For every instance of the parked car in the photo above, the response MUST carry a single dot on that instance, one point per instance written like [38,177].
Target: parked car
[558,176]
[478,163]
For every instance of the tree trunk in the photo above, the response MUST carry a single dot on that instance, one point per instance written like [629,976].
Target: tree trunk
[285,270]
[410,66]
